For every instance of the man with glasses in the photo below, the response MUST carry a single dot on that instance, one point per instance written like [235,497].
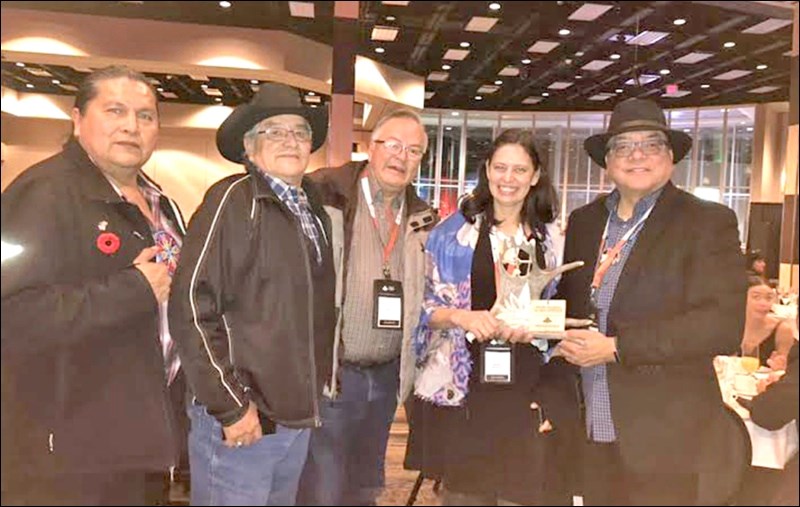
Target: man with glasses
[383,226]
[252,307]
[664,284]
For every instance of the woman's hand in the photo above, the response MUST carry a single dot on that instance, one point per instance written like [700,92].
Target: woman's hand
[482,324]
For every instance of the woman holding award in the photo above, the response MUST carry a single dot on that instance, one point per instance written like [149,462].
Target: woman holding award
[488,409]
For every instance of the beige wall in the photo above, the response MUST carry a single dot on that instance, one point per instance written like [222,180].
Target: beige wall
[185,164]
[769,152]
[245,53]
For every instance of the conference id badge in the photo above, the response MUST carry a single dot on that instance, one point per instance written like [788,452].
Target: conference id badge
[497,363]
[387,304]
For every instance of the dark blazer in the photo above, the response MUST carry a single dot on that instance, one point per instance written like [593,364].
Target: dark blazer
[83,381]
[679,302]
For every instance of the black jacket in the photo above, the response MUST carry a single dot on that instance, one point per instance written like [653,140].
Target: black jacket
[252,317]
[83,382]
[679,302]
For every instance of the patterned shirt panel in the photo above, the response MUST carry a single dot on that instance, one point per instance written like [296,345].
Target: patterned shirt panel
[599,423]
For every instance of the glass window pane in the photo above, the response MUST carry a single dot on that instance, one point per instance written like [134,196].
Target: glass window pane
[683,119]
[710,149]
[740,163]
[516,121]
[480,134]
[581,170]
[427,168]
[451,144]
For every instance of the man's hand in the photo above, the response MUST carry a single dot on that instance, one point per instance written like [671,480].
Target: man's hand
[583,347]
[157,274]
[245,431]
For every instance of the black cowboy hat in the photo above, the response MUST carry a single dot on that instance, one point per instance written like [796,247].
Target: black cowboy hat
[271,99]
[632,115]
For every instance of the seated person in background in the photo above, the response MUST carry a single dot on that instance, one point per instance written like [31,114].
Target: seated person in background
[773,408]
[763,332]
[756,263]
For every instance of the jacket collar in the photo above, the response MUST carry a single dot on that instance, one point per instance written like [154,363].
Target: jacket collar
[649,238]
[93,182]
[347,185]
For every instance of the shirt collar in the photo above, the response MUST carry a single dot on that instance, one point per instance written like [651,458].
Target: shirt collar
[377,192]
[283,190]
[644,204]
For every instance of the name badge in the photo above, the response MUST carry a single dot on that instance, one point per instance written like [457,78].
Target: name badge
[497,363]
[387,304]
[548,316]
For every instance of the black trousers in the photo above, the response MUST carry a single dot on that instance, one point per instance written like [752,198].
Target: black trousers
[606,481]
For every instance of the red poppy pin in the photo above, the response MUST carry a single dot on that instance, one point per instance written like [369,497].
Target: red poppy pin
[108,243]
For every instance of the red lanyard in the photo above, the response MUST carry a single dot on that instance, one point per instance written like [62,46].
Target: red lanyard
[394,231]
[607,257]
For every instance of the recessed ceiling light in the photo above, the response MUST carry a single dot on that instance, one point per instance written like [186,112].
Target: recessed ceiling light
[56,82]
[663,72]
[580,53]
[564,31]
[380,51]
[545,94]
[390,18]
[254,81]
[446,67]
[729,44]
[615,56]
[478,97]
[494,6]
[679,22]
[225,4]
[498,82]
[29,85]
[761,66]
[20,64]
[526,61]
[464,44]
[704,86]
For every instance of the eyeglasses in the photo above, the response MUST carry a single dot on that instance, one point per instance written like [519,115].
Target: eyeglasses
[396,148]
[624,149]
[277,133]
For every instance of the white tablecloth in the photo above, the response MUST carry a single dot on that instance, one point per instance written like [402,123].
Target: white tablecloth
[771,449]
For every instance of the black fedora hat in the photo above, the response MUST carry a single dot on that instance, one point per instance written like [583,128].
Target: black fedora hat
[271,99]
[632,115]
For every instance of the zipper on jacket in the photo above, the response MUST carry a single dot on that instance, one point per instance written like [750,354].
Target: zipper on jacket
[230,339]
[312,349]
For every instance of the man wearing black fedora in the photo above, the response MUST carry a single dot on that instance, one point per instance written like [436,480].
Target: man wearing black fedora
[252,307]
[664,285]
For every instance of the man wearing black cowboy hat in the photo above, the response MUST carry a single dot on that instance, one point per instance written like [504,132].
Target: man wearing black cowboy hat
[664,284]
[252,307]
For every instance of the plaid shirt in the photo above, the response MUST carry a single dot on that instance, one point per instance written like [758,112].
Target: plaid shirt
[599,424]
[296,200]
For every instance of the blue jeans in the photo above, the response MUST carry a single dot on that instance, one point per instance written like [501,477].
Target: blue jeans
[346,457]
[264,473]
